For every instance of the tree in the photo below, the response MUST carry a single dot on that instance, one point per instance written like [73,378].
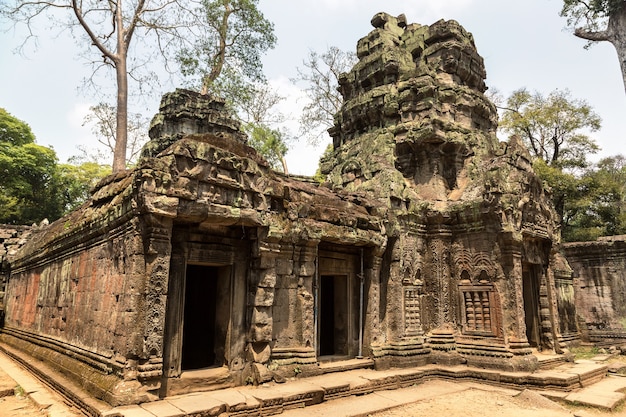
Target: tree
[110,28]
[321,75]
[157,30]
[29,191]
[258,113]
[28,172]
[600,21]
[77,181]
[553,127]
[598,207]
[269,143]
[13,130]
[227,56]
[102,118]
[34,187]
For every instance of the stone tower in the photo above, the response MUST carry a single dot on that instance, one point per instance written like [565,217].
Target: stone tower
[472,235]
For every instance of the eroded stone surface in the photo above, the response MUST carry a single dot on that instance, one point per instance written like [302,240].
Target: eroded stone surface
[600,287]
[431,241]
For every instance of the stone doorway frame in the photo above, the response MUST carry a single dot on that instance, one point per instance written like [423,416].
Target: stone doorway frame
[341,263]
[531,298]
[228,255]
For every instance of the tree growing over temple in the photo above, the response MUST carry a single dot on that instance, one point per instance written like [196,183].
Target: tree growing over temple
[225,57]
[132,37]
[599,21]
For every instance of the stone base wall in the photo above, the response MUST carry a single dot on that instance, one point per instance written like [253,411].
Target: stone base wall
[599,276]
[11,239]
[88,297]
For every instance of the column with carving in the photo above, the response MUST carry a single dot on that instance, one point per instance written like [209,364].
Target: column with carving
[260,301]
[442,338]
[157,235]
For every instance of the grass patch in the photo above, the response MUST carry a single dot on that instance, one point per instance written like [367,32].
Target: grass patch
[585,352]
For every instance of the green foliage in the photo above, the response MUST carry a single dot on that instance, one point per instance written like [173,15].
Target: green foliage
[77,181]
[328,152]
[34,187]
[563,185]
[598,207]
[589,198]
[585,352]
[269,143]
[592,14]
[226,56]
[593,203]
[13,130]
[30,189]
[553,127]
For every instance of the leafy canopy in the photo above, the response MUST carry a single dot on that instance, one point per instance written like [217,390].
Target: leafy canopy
[13,130]
[591,14]
[226,54]
[554,128]
[34,186]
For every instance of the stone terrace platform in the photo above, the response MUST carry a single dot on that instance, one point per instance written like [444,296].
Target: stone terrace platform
[357,392]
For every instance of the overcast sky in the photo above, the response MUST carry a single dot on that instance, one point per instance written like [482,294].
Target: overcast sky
[523,43]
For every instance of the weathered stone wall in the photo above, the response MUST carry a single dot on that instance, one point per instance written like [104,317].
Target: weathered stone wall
[470,227]
[79,286]
[87,298]
[11,239]
[430,241]
[599,270]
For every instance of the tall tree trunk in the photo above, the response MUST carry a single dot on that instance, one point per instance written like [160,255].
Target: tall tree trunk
[615,33]
[121,129]
[283,161]
[617,36]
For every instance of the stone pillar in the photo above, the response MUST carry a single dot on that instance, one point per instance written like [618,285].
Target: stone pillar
[157,235]
[306,274]
[372,332]
[442,338]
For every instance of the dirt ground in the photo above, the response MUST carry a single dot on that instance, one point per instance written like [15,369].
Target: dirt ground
[479,403]
[468,403]
[18,406]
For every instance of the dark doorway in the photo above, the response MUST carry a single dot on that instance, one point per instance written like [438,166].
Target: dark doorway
[333,315]
[206,316]
[531,274]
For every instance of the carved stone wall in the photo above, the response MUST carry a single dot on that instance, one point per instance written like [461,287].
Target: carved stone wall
[11,239]
[430,241]
[599,288]
[467,217]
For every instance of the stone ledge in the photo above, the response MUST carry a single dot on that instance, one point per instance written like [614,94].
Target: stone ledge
[563,382]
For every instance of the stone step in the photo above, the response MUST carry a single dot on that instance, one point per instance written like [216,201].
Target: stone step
[334,389]
[574,381]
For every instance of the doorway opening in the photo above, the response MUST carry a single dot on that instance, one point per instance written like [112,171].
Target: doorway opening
[531,274]
[206,316]
[336,315]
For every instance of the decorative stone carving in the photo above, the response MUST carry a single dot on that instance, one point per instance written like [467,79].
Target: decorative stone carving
[430,241]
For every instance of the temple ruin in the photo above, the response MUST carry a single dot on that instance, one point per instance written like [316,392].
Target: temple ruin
[599,277]
[202,268]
